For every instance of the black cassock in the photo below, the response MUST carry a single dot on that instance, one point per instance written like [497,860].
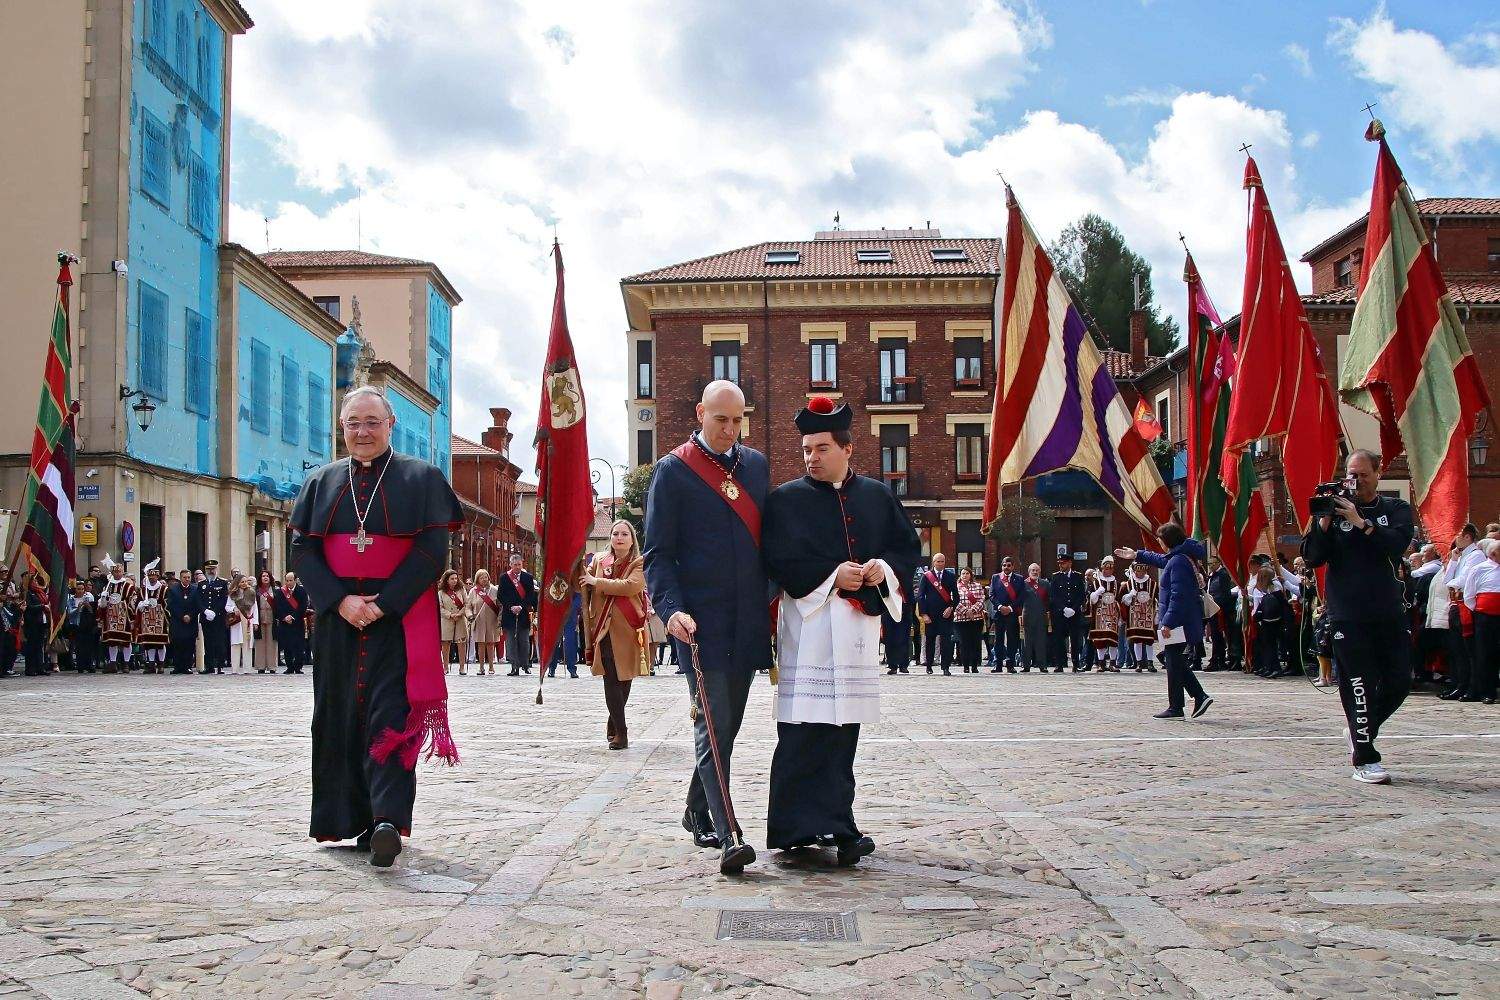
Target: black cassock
[810,527]
[359,686]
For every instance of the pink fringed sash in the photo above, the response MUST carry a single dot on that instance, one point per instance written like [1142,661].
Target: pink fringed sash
[426,691]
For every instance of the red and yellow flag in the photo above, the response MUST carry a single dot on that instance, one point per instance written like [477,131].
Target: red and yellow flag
[565,497]
[1408,362]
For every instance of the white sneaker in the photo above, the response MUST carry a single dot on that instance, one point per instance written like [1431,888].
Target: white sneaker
[1372,774]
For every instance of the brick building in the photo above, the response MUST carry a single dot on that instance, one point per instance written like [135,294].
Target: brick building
[1466,234]
[486,480]
[898,324]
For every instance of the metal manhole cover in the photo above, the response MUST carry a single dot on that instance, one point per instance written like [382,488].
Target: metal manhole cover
[786,925]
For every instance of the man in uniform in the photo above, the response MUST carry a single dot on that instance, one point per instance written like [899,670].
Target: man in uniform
[117,614]
[518,600]
[182,622]
[213,618]
[370,541]
[838,545]
[1068,628]
[706,580]
[937,596]
[151,620]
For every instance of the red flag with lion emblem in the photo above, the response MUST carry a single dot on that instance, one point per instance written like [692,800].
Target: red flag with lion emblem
[565,497]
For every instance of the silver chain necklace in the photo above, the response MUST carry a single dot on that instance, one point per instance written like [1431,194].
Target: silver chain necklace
[361,540]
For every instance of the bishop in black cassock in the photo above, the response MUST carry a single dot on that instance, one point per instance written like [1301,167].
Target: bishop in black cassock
[372,716]
[828,640]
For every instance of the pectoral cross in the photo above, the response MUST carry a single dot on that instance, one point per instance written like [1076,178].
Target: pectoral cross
[859,646]
[361,541]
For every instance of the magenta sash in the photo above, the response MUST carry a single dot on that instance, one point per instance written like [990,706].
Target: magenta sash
[426,690]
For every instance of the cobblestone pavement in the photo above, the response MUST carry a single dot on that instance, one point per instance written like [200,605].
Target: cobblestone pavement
[1038,837]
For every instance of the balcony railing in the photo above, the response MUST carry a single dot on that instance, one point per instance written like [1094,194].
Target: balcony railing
[905,390]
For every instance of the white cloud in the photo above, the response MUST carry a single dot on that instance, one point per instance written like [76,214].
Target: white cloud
[1299,57]
[1426,85]
[651,139]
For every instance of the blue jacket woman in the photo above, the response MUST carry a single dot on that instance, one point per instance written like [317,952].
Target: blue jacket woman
[1181,603]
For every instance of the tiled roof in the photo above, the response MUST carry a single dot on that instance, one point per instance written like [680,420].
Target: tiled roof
[829,258]
[1479,292]
[1118,363]
[525,487]
[463,446]
[337,258]
[1426,206]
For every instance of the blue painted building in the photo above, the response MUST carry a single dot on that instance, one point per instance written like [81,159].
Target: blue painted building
[283,399]
[175,212]
[439,376]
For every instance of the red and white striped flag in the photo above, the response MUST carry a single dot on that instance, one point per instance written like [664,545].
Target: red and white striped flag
[1408,362]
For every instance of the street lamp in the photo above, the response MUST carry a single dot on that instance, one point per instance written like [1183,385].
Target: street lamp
[1479,444]
[143,408]
[596,479]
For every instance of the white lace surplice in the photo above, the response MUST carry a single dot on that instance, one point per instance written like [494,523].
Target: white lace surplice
[828,657]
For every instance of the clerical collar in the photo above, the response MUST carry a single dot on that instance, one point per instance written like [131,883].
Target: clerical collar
[363,465]
[842,485]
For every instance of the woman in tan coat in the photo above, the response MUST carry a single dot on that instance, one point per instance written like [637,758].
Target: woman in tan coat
[266,652]
[484,611]
[614,619]
[453,622]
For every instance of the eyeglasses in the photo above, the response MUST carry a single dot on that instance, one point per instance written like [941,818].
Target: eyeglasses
[355,426]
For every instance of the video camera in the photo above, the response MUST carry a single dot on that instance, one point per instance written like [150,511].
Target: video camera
[1321,504]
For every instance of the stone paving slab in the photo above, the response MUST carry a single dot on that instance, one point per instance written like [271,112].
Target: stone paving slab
[1037,837]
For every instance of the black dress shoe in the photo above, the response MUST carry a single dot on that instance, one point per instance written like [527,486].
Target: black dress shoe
[929,670]
[1009,669]
[385,844]
[735,858]
[1470,697]
[891,672]
[904,670]
[1489,701]
[701,828]
[362,843]
[850,851]
[1451,694]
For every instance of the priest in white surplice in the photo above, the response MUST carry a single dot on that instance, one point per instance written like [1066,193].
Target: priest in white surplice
[839,547]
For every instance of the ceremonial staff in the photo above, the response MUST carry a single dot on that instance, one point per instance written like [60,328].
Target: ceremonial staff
[737,835]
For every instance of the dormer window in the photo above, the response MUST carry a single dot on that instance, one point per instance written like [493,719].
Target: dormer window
[1343,272]
[947,254]
[873,256]
[783,256]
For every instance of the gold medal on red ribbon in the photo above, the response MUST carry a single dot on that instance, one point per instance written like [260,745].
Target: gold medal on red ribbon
[730,488]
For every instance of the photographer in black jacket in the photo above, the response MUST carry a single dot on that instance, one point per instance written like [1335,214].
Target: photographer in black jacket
[1361,542]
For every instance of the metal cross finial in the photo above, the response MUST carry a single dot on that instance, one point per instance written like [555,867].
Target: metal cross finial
[1369,109]
[1245,148]
[1182,239]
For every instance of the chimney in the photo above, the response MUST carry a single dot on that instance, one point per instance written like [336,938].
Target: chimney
[1137,341]
[498,436]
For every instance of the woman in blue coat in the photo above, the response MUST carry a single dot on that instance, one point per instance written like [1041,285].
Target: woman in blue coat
[1179,614]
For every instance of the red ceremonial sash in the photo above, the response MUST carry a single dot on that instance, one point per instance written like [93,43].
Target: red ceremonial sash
[515,581]
[716,476]
[1009,590]
[426,691]
[484,595]
[1039,592]
[291,595]
[938,586]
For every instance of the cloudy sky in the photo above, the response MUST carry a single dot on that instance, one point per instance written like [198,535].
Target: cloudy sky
[650,132]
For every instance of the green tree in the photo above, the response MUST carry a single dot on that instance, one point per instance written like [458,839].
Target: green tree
[1021,520]
[633,489]
[1098,268]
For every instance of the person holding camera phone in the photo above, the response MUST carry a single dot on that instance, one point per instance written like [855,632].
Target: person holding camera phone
[1361,536]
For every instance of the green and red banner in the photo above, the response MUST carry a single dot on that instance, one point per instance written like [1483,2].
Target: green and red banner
[1232,522]
[47,533]
[1408,362]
